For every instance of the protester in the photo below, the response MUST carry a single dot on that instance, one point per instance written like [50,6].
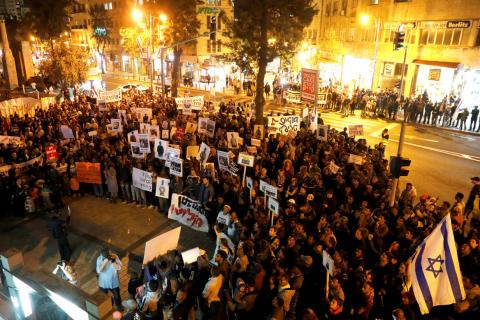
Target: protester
[108,266]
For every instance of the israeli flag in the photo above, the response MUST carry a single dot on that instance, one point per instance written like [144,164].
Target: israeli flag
[435,271]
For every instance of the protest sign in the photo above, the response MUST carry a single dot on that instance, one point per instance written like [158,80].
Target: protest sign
[132,136]
[273,205]
[352,158]
[252,150]
[144,128]
[142,179]
[223,160]
[258,131]
[161,244]
[92,133]
[170,154]
[233,138]
[192,152]
[20,166]
[256,142]
[162,188]
[190,256]
[322,132]
[88,172]
[322,98]
[160,148]
[355,130]
[136,153]
[51,152]
[154,132]
[116,125]
[191,127]
[249,183]
[176,167]
[202,125]
[193,103]
[123,116]
[165,134]
[143,114]
[327,262]
[333,167]
[308,90]
[144,143]
[67,132]
[203,153]
[110,96]
[268,189]
[304,113]
[246,159]
[188,212]
[179,134]
[210,128]
[283,124]
[6,140]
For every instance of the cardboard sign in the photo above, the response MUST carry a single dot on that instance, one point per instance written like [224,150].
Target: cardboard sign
[233,140]
[67,132]
[245,160]
[252,150]
[188,212]
[305,112]
[6,140]
[355,130]
[144,128]
[202,125]
[273,205]
[165,134]
[176,167]
[210,128]
[322,98]
[191,127]
[160,148]
[88,172]
[142,179]
[258,131]
[180,134]
[223,160]
[143,114]
[249,182]
[322,132]
[333,167]
[161,244]
[268,189]
[154,133]
[162,188]
[116,125]
[283,124]
[51,152]
[136,153]
[256,142]
[170,154]
[192,152]
[20,166]
[327,262]
[92,133]
[190,256]
[203,153]
[144,143]
[352,158]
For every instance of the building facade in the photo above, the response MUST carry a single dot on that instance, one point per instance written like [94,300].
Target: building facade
[355,46]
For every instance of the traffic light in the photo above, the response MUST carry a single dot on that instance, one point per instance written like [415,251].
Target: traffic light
[213,28]
[399,166]
[399,40]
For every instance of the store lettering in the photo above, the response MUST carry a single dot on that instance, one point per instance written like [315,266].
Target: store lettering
[208,10]
[459,24]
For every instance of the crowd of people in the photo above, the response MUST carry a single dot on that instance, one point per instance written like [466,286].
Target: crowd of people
[264,267]
[449,113]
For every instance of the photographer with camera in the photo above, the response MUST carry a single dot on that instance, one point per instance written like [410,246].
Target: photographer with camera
[108,266]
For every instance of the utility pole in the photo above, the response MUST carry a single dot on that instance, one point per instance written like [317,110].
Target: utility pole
[402,130]
[375,53]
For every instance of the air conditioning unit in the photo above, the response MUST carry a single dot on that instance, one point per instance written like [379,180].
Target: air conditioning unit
[342,12]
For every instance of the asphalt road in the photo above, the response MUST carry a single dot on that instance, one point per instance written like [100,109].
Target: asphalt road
[442,160]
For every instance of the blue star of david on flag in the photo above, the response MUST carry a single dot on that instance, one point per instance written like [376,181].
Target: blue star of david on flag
[431,265]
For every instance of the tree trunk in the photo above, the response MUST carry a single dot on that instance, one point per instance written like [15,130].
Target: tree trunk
[262,67]
[177,53]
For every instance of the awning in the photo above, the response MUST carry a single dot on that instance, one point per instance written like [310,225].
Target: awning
[444,64]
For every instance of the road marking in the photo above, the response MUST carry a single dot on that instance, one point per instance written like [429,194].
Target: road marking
[450,153]
[378,133]
[416,138]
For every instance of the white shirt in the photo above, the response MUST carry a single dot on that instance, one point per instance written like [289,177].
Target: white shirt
[108,277]
[223,218]
[212,289]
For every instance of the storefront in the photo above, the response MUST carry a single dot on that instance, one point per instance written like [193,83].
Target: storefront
[357,72]
[434,77]
[467,86]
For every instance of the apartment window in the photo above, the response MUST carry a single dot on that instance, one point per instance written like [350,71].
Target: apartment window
[441,37]
[108,6]
[374,2]
[335,8]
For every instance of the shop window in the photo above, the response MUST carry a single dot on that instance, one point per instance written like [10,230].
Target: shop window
[439,37]
[424,37]
[431,37]
[447,40]
[457,37]
[398,69]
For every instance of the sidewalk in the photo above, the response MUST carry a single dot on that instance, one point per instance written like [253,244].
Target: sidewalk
[95,223]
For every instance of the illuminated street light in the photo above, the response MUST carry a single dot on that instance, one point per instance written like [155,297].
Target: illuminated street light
[163,18]
[137,14]
[364,20]
[32,38]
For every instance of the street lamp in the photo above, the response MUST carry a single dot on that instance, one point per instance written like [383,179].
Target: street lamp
[137,14]
[364,21]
